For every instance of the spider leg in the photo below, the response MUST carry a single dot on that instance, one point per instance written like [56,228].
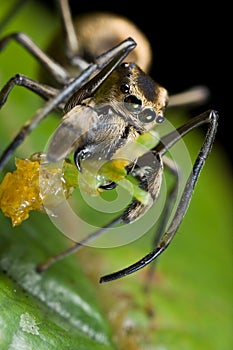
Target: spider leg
[171,166]
[72,43]
[209,117]
[42,90]
[57,71]
[55,258]
[111,60]
[194,96]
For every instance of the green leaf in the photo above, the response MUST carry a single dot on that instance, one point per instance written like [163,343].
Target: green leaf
[50,310]
[189,301]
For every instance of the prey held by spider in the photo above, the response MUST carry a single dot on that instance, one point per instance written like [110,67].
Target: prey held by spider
[109,102]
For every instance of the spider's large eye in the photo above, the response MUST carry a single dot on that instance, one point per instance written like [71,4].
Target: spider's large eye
[147,115]
[132,103]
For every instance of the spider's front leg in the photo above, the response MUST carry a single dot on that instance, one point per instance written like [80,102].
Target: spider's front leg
[211,118]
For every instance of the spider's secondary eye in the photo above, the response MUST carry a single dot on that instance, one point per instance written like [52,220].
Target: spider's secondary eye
[125,88]
[147,115]
[160,118]
[132,103]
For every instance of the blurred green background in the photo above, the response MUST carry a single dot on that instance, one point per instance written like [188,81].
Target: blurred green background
[191,296]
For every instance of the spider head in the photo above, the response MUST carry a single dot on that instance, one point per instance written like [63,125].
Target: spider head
[133,94]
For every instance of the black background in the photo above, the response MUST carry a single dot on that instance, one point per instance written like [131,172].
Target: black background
[190,45]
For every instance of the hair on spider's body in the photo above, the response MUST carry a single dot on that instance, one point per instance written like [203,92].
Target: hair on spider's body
[108,105]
